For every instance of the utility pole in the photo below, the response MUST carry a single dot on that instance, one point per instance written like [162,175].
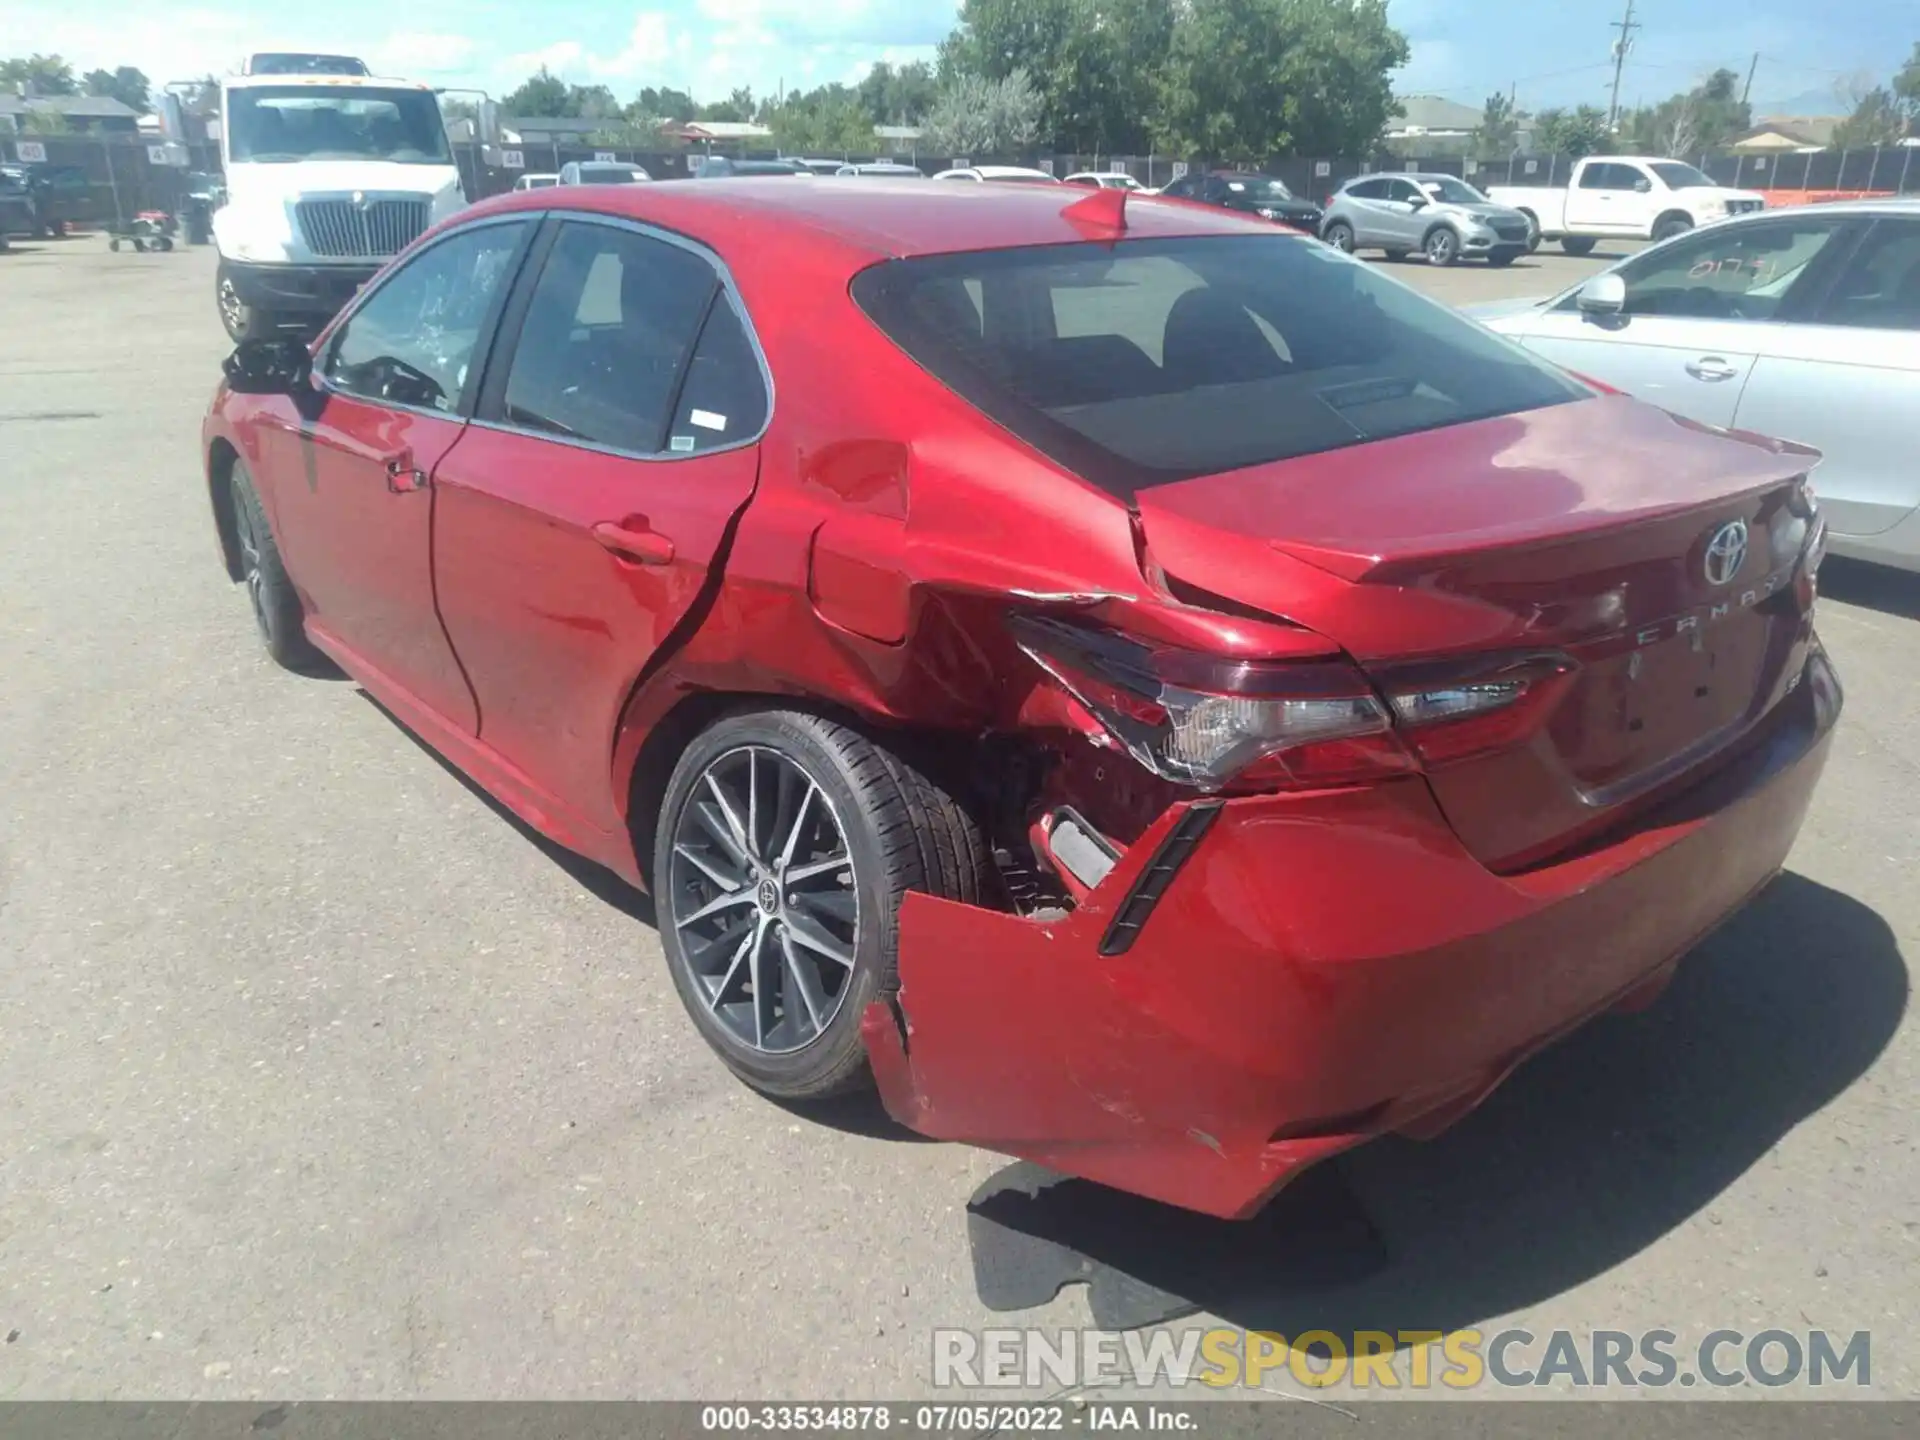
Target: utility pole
[1746,92]
[1626,27]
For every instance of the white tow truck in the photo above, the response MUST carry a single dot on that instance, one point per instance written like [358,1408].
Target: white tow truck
[329,174]
[1624,197]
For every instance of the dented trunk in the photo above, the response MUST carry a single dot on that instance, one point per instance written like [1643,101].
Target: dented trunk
[1637,571]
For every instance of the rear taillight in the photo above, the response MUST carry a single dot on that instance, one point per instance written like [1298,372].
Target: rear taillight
[1221,724]
[1207,722]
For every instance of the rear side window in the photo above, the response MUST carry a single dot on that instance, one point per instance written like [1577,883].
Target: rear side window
[1157,360]
[607,336]
[724,399]
[1368,189]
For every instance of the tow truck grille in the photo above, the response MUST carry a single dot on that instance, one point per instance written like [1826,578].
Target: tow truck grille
[1745,207]
[368,229]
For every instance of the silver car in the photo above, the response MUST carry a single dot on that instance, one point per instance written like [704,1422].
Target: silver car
[1799,323]
[1444,218]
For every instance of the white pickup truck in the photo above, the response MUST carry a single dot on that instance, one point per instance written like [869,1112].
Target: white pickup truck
[1624,196]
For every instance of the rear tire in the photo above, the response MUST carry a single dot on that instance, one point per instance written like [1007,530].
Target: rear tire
[749,890]
[1578,244]
[1340,237]
[1396,256]
[1500,259]
[276,604]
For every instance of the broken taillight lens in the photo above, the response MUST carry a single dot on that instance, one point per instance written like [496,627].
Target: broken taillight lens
[1208,722]
[1243,725]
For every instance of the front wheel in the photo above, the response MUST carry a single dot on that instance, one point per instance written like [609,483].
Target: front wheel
[276,604]
[1671,226]
[784,846]
[242,321]
[1340,237]
[1442,247]
[1500,259]
[1578,244]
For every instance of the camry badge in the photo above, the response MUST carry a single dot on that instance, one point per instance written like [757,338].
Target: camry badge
[1726,552]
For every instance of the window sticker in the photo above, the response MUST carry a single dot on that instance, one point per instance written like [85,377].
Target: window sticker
[708,420]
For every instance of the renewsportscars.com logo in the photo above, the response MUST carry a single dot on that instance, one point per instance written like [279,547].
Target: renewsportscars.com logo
[1398,1360]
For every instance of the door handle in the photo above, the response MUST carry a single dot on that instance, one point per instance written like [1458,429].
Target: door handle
[646,546]
[1711,368]
[402,476]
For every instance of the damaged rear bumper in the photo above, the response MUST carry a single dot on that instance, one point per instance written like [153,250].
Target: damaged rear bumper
[1321,969]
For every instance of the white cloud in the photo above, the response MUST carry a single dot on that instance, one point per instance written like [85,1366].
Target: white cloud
[422,52]
[559,57]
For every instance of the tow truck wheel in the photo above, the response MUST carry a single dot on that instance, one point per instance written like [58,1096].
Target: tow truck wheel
[785,844]
[1578,244]
[242,321]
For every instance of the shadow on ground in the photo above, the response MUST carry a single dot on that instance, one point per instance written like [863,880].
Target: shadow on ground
[595,879]
[1591,1153]
[1876,587]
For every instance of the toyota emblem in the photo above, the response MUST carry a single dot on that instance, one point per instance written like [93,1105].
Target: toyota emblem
[360,201]
[1726,552]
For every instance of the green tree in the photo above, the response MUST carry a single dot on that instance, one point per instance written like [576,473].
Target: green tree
[736,108]
[1095,64]
[40,74]
[1246,79]
[828,121]
[1572,132]
[1906,90]
[652,104]
[125,84]
[898,96]
[1499,129]
[1878,118]
[543,96]
[975,116]
[592,102]
[1708,117]
[44,122]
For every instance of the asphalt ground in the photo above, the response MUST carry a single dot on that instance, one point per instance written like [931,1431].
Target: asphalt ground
[322,1077]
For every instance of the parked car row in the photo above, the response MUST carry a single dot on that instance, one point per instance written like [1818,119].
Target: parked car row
[962,616]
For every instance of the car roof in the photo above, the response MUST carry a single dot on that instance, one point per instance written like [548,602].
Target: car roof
[869,219]
[992,171]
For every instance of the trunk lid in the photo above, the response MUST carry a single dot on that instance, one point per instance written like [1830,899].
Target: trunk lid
[1581,530]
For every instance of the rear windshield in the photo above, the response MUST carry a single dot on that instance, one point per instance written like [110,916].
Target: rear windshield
[1157,360]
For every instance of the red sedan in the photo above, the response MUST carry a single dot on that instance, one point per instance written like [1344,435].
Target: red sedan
[1153,694]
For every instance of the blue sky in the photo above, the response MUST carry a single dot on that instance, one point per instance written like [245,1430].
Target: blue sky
[1555,50]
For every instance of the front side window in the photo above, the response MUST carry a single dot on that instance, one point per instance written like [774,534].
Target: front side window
[1405,191]
[271,125]
[1742,272]
[412,342]
[607,336]
[1156,360]
[1880,288]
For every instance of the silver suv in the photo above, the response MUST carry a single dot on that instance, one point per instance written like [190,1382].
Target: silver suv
[1438,215]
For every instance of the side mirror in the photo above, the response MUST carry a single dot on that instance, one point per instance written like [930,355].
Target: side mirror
[1603,295]
[278,366]
[1643,185]
[1418,202]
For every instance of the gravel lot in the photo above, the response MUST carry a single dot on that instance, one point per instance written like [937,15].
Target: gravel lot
[323,1077]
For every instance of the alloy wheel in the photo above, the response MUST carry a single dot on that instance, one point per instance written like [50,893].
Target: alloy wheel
[762,896]
[1440,246]
[249,542]
[1342,239]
